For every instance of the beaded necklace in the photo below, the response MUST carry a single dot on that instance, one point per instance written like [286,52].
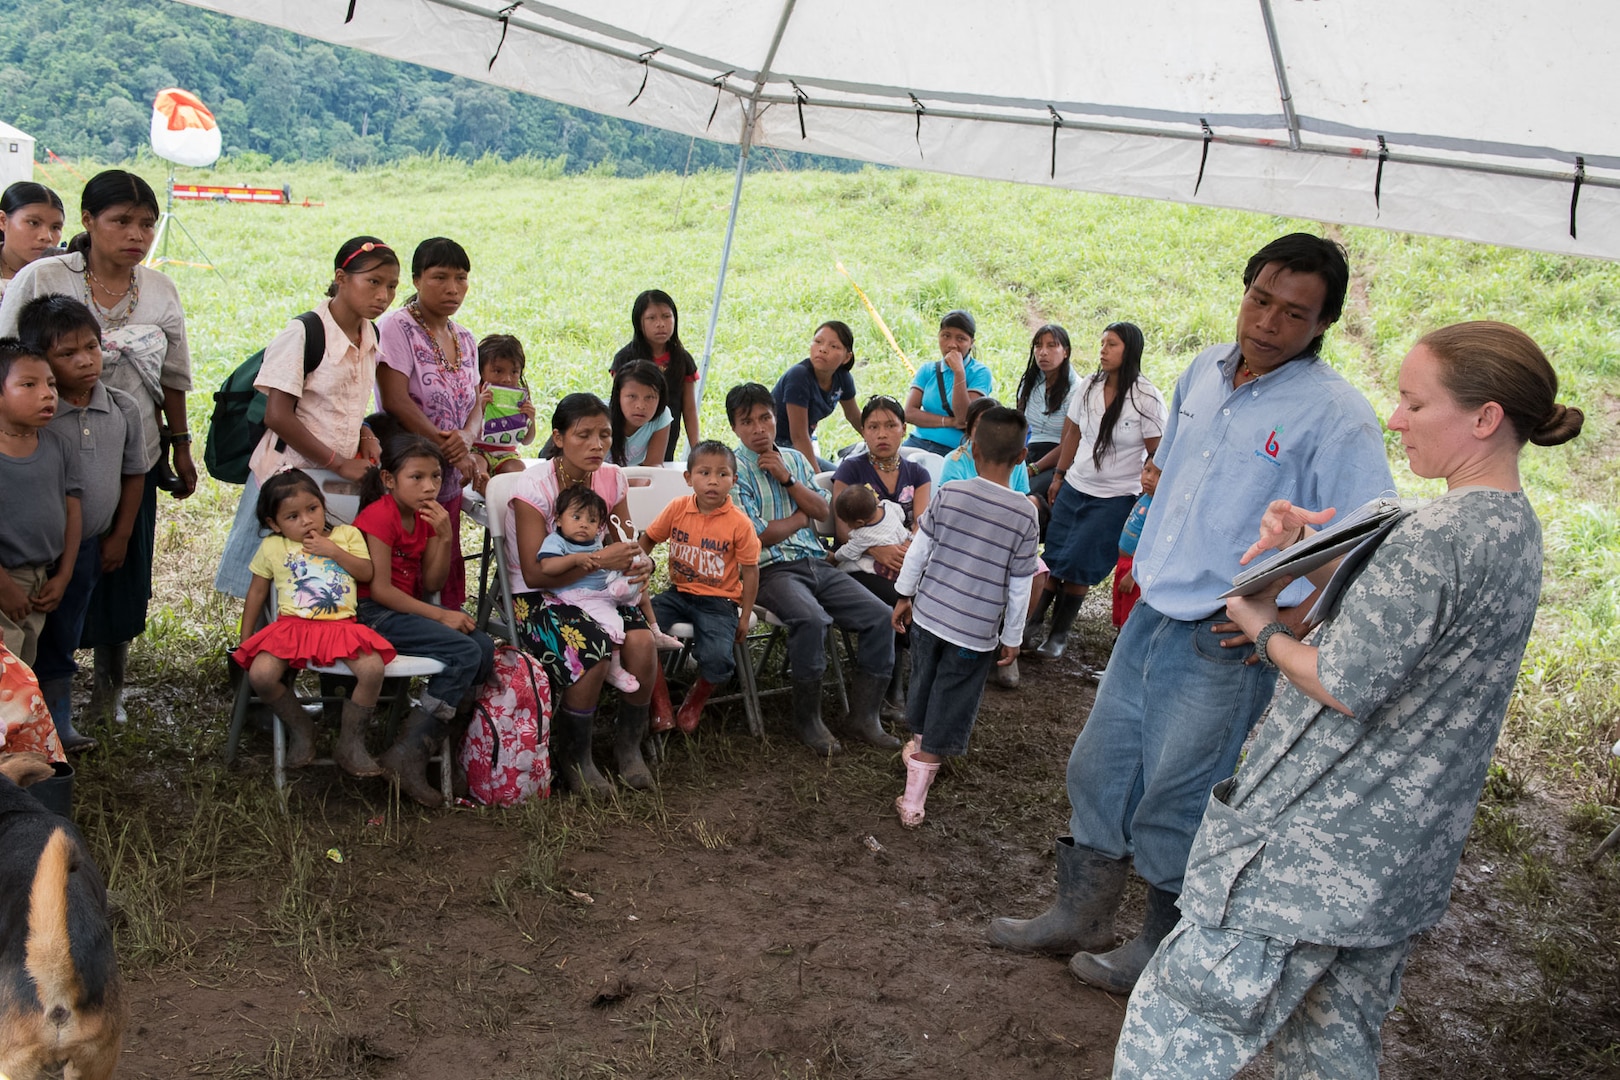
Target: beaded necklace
[129,299]
[444,362]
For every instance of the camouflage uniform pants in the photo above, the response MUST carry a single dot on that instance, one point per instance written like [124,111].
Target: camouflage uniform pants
[1211,999]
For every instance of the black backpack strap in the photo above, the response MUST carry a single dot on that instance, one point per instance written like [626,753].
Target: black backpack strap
[314,351]
[939,377]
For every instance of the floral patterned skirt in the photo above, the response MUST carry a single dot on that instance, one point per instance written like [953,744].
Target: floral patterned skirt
[563,638]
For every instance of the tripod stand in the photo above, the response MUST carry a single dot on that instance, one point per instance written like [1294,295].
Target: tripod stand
[167,223]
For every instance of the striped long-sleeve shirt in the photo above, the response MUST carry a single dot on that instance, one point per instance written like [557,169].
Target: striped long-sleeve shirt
[972,561]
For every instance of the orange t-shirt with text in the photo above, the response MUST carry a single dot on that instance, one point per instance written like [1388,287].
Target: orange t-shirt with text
[706,550]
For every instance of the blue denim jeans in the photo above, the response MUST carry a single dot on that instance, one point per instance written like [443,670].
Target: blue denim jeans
[947,684]
[468,658]
[60,638]
[714,622]
[1169,721]
[809,595]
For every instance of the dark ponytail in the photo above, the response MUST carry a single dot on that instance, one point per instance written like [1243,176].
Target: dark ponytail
[396,451]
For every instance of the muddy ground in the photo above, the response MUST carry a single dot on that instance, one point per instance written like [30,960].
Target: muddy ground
[763,915]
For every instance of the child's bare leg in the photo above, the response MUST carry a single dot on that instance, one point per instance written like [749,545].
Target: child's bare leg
[265,677]
[510,465]
[350,751]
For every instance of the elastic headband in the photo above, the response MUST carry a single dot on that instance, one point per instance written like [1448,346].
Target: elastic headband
[364,249]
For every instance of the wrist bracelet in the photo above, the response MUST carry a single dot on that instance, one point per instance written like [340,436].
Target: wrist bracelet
[1263,639]
[179,438]
[330,461]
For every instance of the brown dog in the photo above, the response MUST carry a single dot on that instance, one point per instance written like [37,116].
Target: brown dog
[61,1000]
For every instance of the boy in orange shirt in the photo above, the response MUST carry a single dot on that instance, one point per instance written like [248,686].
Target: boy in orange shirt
[713,570]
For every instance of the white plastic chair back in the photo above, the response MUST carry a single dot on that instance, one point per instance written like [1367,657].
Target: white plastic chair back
[934,463]
[497,496]
[651,488]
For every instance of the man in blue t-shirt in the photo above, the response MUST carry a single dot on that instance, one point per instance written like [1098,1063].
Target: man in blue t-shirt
[1265,418]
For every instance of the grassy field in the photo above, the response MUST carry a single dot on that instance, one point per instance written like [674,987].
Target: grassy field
[557,261]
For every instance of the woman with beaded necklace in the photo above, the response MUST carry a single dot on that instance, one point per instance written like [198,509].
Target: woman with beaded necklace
[427,378]
[145,354]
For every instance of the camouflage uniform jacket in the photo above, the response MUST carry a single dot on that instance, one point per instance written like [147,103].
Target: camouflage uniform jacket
[1347,830]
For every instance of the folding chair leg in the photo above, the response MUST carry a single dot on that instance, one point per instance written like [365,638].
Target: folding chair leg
[447,768]
[239,713]
[750,689]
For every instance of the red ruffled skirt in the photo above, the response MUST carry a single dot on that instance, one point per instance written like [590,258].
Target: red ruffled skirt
[302,642]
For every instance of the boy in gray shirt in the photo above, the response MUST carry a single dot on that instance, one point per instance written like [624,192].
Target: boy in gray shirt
[39,532]
[970,563]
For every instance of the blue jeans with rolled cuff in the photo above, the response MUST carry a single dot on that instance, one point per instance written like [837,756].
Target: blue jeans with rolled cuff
[714,622]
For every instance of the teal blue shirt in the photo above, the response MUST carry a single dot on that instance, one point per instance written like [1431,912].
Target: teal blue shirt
[929,379]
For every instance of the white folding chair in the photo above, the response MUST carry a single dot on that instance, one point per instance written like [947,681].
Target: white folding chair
[342,496]
[827,527]
[747,686]
[929,460]
[495,604]
[651,488]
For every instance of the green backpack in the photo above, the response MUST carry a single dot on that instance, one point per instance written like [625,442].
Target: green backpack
[237,424]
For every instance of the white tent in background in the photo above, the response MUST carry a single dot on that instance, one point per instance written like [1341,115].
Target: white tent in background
[1487,121]
[16,156]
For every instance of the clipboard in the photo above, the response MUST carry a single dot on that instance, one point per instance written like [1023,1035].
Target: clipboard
[1366,525]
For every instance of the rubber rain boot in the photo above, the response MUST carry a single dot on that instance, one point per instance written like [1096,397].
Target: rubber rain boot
[894,698]
[919,777]
[806,719]
[691,710]
[406,760]
[1081,919]
[350,751]
[1037,619]
[300,729]
[863,722]
[628,731]
[1117,971]
[572,760]
[662,712]
[1066,607]
[107,686]
[58,695]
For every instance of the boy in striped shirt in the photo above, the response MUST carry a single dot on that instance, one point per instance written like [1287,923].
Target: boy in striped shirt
[970,563]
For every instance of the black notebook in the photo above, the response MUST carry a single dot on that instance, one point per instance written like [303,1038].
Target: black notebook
[1367,524]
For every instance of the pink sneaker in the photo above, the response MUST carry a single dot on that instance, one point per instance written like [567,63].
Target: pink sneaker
[666,642]
[619,678]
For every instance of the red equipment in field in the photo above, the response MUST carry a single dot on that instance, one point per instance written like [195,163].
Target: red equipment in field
[280,196]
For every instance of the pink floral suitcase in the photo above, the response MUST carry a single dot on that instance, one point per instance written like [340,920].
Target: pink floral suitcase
[504,753]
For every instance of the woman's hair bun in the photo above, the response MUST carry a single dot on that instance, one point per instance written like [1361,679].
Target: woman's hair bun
[1560,425]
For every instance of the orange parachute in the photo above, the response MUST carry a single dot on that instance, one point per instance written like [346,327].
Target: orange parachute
[183,129]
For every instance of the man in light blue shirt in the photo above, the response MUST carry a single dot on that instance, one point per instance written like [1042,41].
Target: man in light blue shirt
[775,488]
[1265,418]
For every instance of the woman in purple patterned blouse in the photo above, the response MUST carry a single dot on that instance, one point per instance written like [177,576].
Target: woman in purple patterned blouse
[427,377]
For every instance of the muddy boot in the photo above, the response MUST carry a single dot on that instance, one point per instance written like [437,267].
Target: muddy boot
[406,761]
[300,729]
[691,710]
[1118,970]
[863,723]
[572,757]
[1082,916]
[919,777]
[894,698]
[350,749]
[1005,677]
[1064,610]
[58,695]
[806,720]
[628,731]
[1032,628]
[107,687]
[659,708]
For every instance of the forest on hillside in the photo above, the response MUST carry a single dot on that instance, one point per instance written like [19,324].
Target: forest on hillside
[80,78]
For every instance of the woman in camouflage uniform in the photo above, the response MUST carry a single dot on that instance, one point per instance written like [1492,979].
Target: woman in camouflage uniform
[1336,842]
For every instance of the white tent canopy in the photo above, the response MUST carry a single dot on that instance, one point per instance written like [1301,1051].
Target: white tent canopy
[1486,121]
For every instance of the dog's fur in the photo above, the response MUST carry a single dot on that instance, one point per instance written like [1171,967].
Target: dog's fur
[61,1000]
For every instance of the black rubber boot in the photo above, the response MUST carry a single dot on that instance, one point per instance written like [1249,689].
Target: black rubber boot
[806,719]
[1037,618]
[571,756]
[107,684]
[628,732]
[300,729]
[894,698]
[406,761]
[350,750]
[863,722]
[1118,970]
[1081,918]
[1064,609]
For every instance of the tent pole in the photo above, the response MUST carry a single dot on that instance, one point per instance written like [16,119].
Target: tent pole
[1282,75]
[750,118]
[725,260]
